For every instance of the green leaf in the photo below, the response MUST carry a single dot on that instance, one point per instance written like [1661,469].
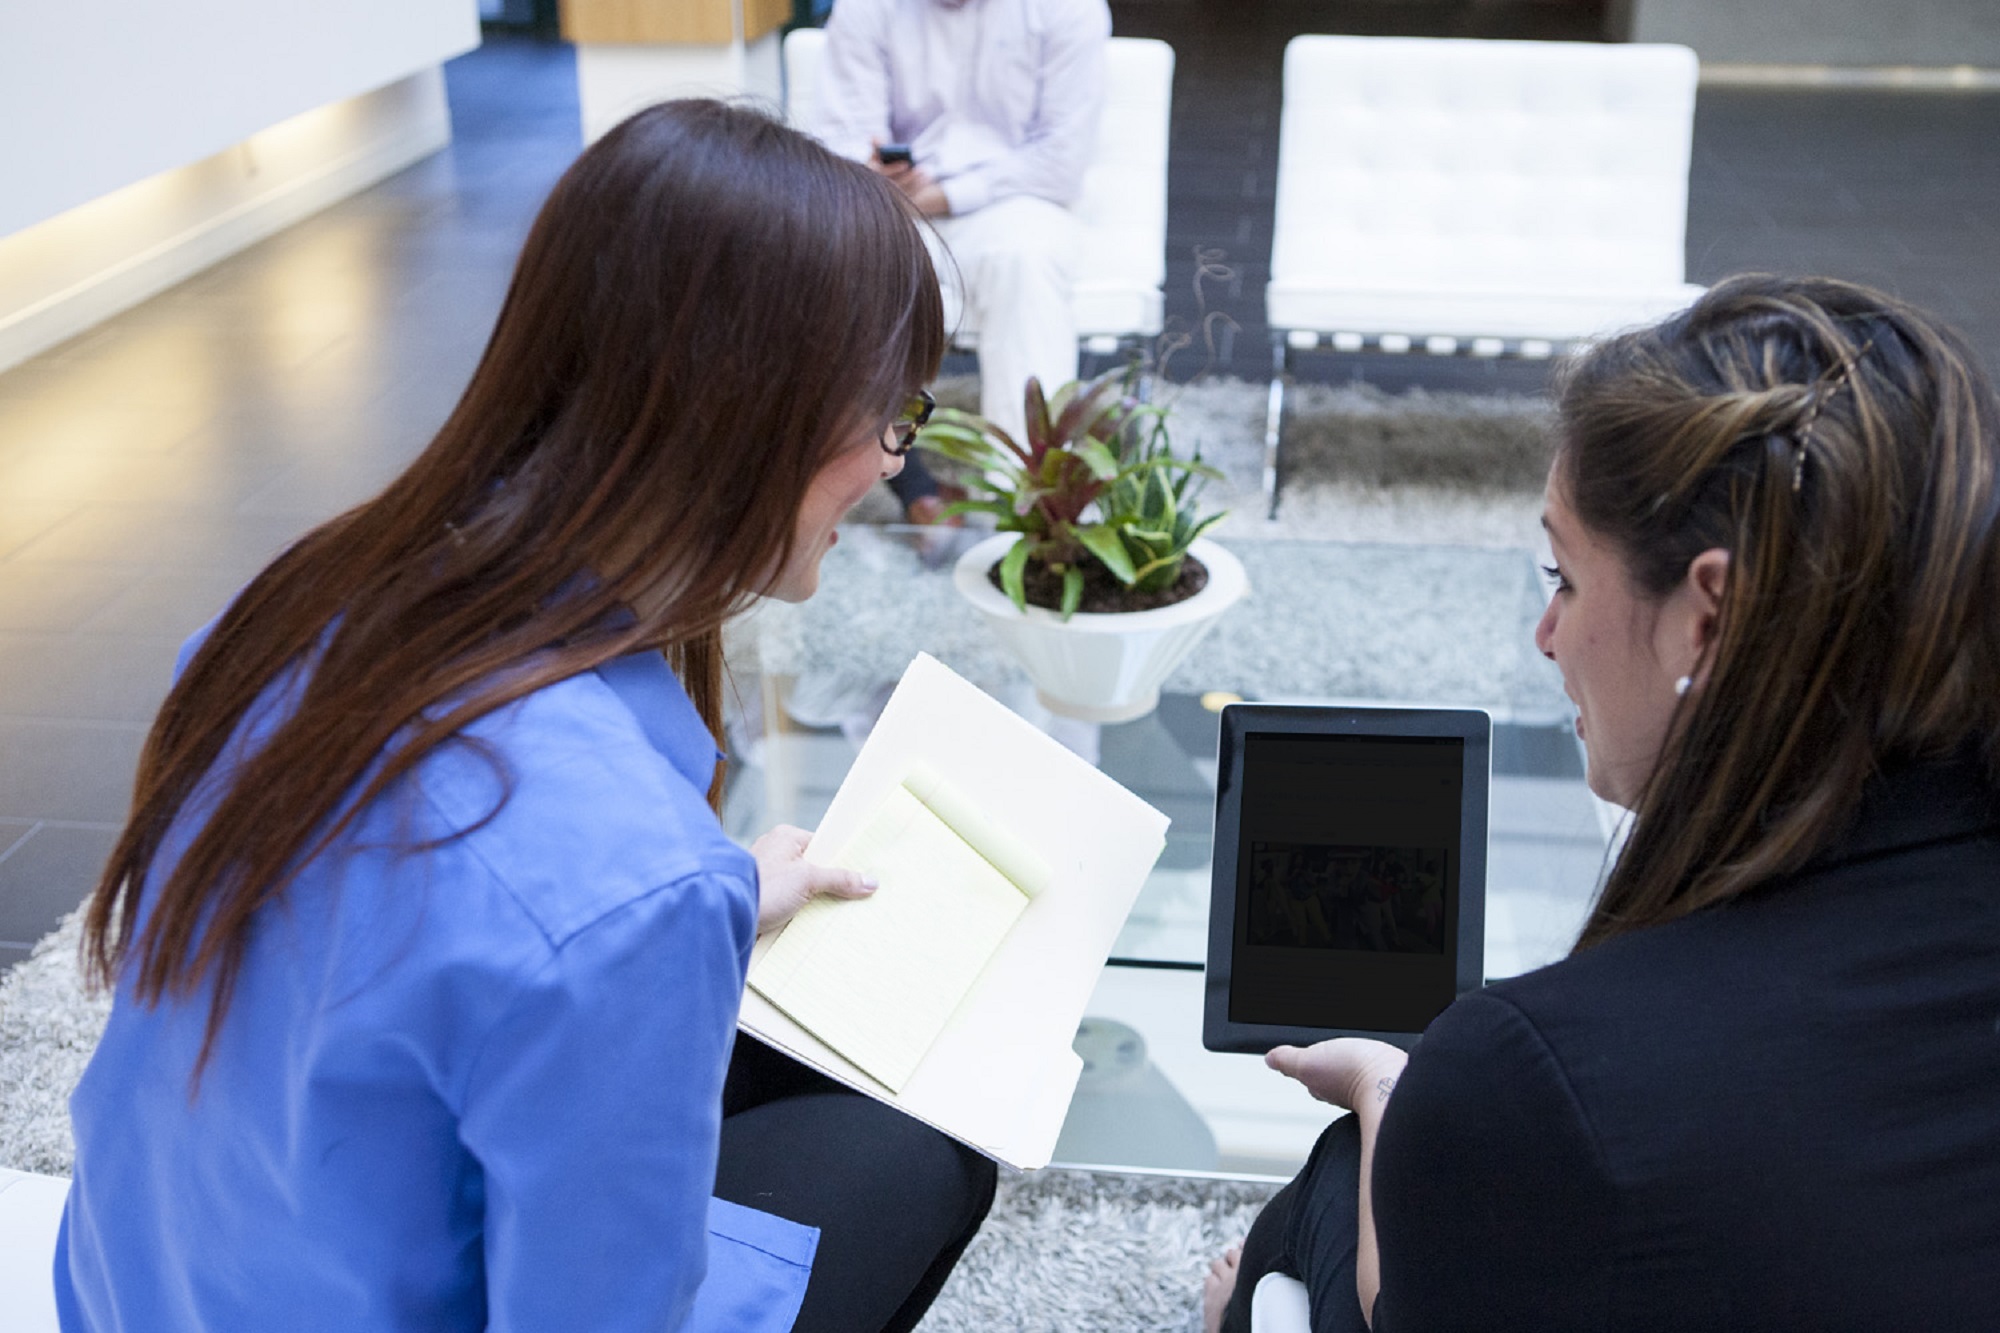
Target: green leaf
[1062,398]
[1072,595]
[1103,464]
[1007,442]
[1159,573]
[970,430]
[978,455]
[1087,408]
[1012,567]
[1096,450]
[1205,525]
[1101,540]
[958,425]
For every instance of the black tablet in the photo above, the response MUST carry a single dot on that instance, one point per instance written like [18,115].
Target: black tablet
[1349,891]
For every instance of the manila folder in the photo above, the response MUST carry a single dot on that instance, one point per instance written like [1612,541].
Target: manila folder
[999,1074]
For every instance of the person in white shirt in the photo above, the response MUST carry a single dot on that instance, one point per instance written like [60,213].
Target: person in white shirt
[998,102]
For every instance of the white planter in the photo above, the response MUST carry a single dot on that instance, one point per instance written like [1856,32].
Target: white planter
[1105,667]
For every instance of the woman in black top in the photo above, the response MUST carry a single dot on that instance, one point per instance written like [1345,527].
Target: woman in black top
[1764,1090]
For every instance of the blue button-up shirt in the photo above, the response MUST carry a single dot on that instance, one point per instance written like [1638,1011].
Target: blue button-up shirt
[465,1082]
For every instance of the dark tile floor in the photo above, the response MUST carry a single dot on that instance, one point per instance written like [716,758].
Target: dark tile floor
[150,466]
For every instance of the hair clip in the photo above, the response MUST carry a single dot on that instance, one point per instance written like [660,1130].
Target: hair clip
[1817,397]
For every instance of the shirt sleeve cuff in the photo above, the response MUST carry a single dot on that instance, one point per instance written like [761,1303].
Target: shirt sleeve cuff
[966,194]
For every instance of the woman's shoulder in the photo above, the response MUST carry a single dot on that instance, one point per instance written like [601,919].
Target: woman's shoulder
[579,803]
[1800,1071]
[1760,1003]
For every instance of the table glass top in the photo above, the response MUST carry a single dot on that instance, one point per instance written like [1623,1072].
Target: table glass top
[1325,622]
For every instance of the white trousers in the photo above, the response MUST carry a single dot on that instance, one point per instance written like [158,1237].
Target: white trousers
[1007,280]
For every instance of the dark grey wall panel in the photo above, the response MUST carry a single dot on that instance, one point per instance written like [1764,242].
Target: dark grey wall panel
[1827,32]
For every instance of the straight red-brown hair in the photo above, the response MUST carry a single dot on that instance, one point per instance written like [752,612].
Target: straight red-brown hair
[707,308]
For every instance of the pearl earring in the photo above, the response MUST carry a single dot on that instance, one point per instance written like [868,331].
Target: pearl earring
[1684,684]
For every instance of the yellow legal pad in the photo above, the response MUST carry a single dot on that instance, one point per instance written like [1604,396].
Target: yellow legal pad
[877,978]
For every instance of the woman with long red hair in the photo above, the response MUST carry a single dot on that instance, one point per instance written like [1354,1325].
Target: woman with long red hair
[426,942]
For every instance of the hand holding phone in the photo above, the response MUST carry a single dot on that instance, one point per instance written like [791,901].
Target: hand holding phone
[893,154]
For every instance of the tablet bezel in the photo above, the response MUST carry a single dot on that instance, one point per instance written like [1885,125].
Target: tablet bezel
[1239,721]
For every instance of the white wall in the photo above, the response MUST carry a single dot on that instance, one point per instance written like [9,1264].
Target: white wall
[98,94]
[1827,32]
[59,277]
[142,142]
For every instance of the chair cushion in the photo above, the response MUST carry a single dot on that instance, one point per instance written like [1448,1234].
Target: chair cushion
[1431,186]
[1470,313]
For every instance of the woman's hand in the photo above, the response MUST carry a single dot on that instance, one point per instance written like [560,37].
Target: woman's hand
[1345,1072]
[1359,1075]
[786,881]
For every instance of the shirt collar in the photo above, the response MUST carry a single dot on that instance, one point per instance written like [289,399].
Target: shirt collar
[645,684]
[1909,804]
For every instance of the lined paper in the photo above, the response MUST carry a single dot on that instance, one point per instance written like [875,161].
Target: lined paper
[877,978]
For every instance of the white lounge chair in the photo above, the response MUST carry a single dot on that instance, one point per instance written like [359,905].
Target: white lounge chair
[1486,197]
[1124,202]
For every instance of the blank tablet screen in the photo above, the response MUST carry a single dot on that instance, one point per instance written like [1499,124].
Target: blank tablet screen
[1348,881]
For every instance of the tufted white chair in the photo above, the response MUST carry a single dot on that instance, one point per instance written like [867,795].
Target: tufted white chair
[1483,196]
[30,1215]
[1124,201]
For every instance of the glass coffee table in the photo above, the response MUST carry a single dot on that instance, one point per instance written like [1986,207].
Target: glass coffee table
[1326,622]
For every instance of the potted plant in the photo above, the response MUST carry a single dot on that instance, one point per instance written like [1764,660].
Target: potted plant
[1099,578]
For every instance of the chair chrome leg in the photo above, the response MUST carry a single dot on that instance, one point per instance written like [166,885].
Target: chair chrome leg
[1274,418]
[1091,361]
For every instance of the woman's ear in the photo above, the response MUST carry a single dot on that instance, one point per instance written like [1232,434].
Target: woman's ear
[1708,579]
[1697,611]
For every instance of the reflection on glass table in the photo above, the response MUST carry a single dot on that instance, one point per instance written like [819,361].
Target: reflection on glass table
[1325,622]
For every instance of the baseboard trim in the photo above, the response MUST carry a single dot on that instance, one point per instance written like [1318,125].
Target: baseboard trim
[421,128]
[1907,78]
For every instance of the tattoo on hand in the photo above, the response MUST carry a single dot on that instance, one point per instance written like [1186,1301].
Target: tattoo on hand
[1384,1087]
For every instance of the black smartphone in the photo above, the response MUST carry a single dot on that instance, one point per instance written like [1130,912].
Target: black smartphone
[893,154]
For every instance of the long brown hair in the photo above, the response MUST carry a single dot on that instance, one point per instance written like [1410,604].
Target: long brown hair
[1843,448]
[707,308]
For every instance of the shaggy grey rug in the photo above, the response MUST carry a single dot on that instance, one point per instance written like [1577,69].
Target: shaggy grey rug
[1073,1251]
[49,1025]
[1093,1252]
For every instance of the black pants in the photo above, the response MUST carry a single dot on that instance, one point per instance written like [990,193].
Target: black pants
[914,482]
[895,1201]
[1309,1231]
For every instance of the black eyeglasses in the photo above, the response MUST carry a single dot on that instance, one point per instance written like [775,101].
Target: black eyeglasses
[908,422]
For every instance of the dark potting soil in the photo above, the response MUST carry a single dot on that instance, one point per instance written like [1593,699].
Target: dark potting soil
[1102,593]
